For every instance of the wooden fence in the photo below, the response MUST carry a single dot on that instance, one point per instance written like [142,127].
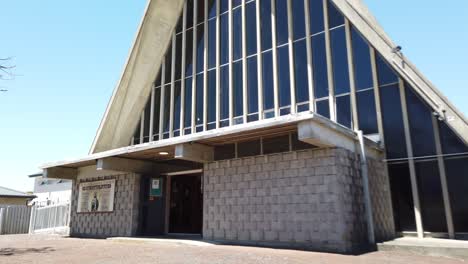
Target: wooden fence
[14,219]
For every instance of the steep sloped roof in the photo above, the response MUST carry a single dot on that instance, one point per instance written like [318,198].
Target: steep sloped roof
[130,95]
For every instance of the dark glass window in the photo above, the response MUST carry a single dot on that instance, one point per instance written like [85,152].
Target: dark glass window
[211,106]
[283,76]
[323,108]
[361,61]
[451,143]
[157,103]
[167,101]
[430,196]
[157,82]
[224,96]
[335,18]
[320,66]
[224,6]
[236,3]
[267,76]
[248,148]
[281,22]
[168,64]
[189,53]
[200,48]
[178,57]
[201,11]
[136,135]
[393,122]
[211,9]
[237,33]
[402,197]
[340,61]
[227,151]
[189,13]
[252,85]
[199,99]
[343,110]
[188,103]
[298,19]
[300,68]
[237,88]
[367,112]
[457,180]
[177,102]
[251,28]
[420,122]
[266,24]
[224,38]
[179,24]
[275,144]
[316,16]
[385,74]
[212,43]
[146,121]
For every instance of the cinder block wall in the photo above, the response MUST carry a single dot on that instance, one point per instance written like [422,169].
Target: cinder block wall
[123,221]
[310,199]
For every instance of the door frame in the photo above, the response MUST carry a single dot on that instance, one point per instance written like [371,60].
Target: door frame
[168,192]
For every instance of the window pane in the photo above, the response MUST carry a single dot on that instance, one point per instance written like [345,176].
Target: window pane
[201,11]
[340,61]
[179,24]
[420,122]
[212,43]
[199,100]
[167,101]
[189,13]
[252,85]
[189,53]
[168,64]
[200,48]
[385,73]
[451,143]
[393,122]
[224,38]
[457,179]
[267,76]
[430,195]
[157,103]
[157,81]
[236,3]
[402,197]
[251,28]
[178,57]
[211,9]
[188,103]
[281,22]
[316,16]
[323,108]
[362,61]
[343,110]
[237,33]
[248,148]
[335,18]
[237,88]
[366,112]
[224,6]
[265,6]
[320,66]
[283,76]
[177,105]
[276,144]
[300,68]
[224,96]
[298,19]
[211,96]
[146,132]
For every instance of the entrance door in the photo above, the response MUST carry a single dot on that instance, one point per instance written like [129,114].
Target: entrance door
[186,204]
[151,208]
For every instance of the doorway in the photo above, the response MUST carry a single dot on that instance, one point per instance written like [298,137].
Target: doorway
[185,204]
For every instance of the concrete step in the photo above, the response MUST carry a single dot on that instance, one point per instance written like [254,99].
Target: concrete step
[428,246]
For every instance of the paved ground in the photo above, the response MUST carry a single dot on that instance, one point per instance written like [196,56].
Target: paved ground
[53,249]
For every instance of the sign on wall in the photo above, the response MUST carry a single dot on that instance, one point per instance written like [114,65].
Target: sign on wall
[156,187]
[96,196]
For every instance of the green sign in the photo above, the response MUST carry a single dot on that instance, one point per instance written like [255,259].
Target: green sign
[156,187]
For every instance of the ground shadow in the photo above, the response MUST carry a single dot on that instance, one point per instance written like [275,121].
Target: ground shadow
[22,251]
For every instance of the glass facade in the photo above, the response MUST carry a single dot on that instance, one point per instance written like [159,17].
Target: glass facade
[222,69]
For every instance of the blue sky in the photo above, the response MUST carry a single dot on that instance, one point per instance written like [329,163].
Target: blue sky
[70,54]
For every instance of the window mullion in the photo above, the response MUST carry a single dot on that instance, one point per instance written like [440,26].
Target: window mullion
[352,81]
[259,60]
[331,86]
[292,76]
[182,74]
[244,65]
[275,58]
[171,100]
[161,104]
[310,72]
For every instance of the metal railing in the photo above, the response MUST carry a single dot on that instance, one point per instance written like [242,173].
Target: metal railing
[14,219]
[50,219]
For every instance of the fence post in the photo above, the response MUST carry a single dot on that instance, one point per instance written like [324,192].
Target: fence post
[2,215]
[32,220]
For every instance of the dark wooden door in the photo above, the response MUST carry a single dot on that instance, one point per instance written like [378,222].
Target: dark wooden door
[152,213]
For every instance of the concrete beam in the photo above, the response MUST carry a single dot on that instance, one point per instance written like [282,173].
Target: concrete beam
[60,173]
[194,152]
[126,165]
[323,135]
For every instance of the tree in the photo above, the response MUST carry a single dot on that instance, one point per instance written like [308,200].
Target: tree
[6,71]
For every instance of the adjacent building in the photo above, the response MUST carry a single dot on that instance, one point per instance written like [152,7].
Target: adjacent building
[51,191]
[271,122]
[12,197]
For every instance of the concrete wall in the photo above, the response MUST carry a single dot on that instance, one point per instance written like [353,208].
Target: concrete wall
[123,221]
[309,199]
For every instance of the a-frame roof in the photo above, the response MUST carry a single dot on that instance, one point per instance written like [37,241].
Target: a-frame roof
[132,91]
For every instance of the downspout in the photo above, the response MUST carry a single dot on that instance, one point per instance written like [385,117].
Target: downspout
[365,183]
